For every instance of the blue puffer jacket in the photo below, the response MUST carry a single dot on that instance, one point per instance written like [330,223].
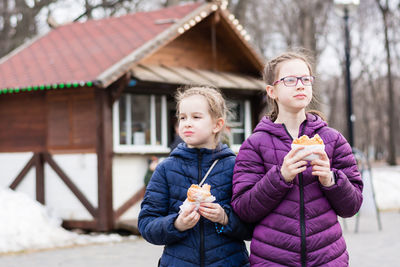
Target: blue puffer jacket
[201,245]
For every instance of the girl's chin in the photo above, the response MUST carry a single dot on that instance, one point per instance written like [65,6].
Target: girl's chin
[208,146]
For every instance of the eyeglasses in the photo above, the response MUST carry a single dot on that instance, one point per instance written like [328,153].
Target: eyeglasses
[293,80]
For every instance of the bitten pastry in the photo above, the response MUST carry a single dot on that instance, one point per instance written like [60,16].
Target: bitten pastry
[196,193]
[306,141]
[309,144]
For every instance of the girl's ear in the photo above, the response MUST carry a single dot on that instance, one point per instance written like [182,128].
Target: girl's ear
[270,91]
[219,124]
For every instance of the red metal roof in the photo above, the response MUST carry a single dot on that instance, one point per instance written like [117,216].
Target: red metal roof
[81,52]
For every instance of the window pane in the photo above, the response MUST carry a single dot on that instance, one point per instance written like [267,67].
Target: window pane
[235,117]
[140,119]
[236,121]
[237,137]
[122,120]
[158,120]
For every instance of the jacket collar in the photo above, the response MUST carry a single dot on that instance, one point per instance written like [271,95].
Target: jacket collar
[309,127]
[185,152]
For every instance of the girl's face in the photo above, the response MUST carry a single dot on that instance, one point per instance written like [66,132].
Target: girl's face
[291,99]
[196,126]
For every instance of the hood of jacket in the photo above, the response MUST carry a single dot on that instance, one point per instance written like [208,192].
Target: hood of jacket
[313,123]
[191,154]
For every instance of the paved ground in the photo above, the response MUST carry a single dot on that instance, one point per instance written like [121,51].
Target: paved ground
[368,247]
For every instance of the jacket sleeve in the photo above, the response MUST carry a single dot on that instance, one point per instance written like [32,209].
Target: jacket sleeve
[255,192]
[236,228]
[345,195]
[156,225]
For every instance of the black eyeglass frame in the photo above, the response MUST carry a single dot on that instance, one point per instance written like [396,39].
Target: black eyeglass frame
[312,78]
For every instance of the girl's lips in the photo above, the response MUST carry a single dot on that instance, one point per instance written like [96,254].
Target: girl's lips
[300,96]
[188,133]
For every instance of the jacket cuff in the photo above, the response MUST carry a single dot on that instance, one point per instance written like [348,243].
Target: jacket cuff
[171,230]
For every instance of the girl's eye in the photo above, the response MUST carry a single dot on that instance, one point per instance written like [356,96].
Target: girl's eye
[290,79]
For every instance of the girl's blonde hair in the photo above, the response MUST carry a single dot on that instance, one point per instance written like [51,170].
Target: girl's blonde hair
[216,102]
[270,75]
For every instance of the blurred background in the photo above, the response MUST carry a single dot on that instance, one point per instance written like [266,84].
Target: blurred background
[275,26]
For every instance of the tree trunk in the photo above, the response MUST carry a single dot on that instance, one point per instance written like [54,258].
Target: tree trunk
[391,144]
[240,11]
[171,3]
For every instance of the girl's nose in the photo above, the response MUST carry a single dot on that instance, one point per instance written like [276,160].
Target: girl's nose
[299,85]
[188,123]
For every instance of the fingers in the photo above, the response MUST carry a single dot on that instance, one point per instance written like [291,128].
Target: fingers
[190,219]
[291,168]
[322,154]
[212,211]
[321,167]
[186,220]
[294,151]
[321,171]
[297,154]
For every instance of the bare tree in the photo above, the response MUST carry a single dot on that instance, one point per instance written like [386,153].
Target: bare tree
[240,9]
[18,22]
[171,2]
[391,144]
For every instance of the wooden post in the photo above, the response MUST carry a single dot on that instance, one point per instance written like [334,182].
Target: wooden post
[105,215]
[39,165]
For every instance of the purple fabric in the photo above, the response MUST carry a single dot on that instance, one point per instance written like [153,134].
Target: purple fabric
[261,196]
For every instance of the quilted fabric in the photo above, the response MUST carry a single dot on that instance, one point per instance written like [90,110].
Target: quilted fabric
[261,196]
[201,245]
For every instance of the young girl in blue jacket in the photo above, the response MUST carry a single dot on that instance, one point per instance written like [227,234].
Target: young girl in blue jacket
[211,235]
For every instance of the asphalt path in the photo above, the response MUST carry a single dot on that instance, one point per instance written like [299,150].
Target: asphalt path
[367,247]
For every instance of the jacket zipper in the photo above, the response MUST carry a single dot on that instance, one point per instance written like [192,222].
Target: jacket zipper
[199,159]
[302,215]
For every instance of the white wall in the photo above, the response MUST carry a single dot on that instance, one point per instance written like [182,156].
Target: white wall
[80,168]
[128,174]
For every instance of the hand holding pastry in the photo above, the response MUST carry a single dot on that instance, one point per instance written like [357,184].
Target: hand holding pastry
[214,212]
[187,219]
[321,167]
[197,195]
[293,163]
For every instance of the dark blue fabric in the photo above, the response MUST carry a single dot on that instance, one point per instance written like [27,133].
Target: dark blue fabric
[167,191]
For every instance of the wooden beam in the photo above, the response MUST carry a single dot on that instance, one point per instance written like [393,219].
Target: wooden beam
[130,202]
[23,173]
[68,182]
[128,225]
[80,224]
[39,165]
[104,148]
[118,87]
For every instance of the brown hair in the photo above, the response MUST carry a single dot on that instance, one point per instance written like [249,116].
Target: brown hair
[270,74]
[216,102]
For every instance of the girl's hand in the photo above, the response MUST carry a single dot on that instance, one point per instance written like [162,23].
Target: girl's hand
[187,219]
[214,212]
[322,168]
[293,163]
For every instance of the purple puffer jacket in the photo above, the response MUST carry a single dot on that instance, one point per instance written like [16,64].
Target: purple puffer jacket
[296,223]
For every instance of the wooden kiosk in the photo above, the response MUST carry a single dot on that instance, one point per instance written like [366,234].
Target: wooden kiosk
[104,88]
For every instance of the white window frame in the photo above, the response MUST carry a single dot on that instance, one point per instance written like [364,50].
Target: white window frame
[247,125]
[141,149]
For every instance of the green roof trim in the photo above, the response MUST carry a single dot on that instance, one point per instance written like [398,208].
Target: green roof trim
[43,87]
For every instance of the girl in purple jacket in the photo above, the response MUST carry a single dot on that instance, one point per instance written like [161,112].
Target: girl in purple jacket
[294,203]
